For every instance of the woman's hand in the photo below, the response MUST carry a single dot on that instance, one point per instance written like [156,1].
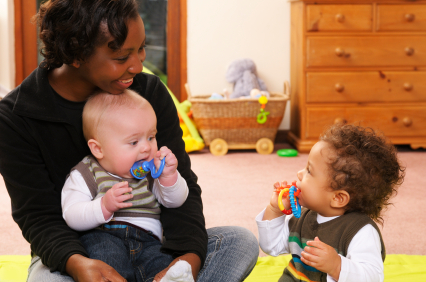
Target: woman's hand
[323,257]
[169,176]
[83,269]
[191,258]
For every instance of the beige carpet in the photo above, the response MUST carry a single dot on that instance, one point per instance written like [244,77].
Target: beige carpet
[237,186]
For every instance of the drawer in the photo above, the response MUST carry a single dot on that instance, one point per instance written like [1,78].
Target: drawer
[372,86]
[339,17]
[347,51]
[392,121]
[401,17]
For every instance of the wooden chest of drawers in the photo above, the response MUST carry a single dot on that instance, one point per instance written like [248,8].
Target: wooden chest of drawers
[360,62]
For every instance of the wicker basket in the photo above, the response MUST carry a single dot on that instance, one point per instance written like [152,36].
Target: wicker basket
[234,121]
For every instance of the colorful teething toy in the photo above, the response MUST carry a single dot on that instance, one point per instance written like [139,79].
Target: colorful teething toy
[293,191]
[262,116]
[140,169]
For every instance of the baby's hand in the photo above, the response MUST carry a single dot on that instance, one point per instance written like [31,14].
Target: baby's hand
[169,175]
[323,257]
[113,199]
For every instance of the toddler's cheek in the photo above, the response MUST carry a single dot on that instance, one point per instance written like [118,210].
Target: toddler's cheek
[301,202]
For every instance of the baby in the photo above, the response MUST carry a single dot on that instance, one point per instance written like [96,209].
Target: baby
[101,195]
[351,174]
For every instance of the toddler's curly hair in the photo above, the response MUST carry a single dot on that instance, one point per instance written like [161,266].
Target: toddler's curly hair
[71,29]
[366,166]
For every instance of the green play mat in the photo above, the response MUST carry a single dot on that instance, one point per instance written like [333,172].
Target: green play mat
[268,269]
[14,268]
[397,268]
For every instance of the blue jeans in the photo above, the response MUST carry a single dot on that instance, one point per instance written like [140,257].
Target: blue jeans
[132,252]
[231,255]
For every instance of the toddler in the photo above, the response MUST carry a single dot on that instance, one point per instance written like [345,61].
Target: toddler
[101,195]
[351,174]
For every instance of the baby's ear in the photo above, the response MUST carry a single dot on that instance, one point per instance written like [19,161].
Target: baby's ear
[95,148]
[340,199]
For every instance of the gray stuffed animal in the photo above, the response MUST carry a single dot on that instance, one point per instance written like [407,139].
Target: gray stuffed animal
[242,73]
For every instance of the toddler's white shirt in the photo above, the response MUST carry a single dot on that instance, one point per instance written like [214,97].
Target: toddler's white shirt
[363,262]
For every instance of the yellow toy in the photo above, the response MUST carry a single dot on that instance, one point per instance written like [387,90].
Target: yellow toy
[191,137]
[191,143]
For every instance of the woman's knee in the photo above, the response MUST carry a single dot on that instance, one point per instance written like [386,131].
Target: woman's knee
[39,272]
[247,238]
[237,236]
[232,253]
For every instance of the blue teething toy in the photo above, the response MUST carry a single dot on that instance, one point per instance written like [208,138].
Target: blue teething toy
[294,202]
[141,168]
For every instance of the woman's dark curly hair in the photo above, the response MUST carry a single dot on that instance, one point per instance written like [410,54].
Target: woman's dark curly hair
[71,29]
[366,166]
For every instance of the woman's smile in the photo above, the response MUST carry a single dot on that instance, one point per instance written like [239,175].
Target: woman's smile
[125,83]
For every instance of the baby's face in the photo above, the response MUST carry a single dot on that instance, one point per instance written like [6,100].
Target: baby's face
[127,135]
[314,180]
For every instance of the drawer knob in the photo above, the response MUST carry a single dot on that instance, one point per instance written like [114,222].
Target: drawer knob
[340,18]
[340,52]
[339,87]
[409,51]
[407,121]
[409,17]
[339,120]
[408,86]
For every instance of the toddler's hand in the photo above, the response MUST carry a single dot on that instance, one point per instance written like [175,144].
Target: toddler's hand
[272,210]
[113,199]
[323,257]
[169,175]
[274,198]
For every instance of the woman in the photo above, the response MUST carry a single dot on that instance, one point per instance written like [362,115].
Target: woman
[92,45]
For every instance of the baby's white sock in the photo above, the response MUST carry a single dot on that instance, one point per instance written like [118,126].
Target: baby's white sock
[179,272]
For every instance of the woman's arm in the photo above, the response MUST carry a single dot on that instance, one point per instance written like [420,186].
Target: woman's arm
[36,203]
[38,147]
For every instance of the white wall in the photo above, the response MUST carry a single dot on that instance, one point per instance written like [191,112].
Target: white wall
[221,31]
[7,43]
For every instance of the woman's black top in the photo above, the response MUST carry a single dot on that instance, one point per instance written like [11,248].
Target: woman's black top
[40,143]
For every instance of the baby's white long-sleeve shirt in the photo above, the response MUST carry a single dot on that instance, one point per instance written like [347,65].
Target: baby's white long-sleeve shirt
[363,262]
[82,213]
